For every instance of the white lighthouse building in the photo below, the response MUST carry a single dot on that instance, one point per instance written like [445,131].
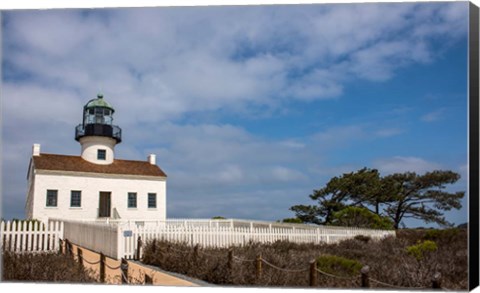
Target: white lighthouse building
[95,185]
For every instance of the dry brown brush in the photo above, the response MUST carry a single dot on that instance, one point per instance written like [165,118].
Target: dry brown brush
[390,261]
[42,267]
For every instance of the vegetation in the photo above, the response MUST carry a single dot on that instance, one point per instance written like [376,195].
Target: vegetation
[42,267]
[397,197]
[292,220]
[392,260]
[360,217]
[419,250]
[333,264]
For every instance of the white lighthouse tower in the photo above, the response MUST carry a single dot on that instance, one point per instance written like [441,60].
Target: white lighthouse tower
[97,134]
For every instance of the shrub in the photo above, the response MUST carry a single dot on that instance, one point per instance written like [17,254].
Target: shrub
[42,267]
[292,220]
[362,238]
[360,217]
[338,265]
[441,235]
[419,250]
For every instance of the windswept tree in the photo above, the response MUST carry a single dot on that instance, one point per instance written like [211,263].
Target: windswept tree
[398,196]
[421,197]
[361,188]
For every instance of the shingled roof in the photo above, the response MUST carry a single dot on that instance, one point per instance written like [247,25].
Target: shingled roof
[77,164]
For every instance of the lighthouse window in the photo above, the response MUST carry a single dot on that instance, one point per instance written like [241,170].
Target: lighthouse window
[76,199]
[101,155]
[132,200]
[52,198]
[152,200]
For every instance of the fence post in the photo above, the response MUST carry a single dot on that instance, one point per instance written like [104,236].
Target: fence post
[139,247]
[68,248]
[230,259]
[365,279]
[60,246]
[230,265]
[437,281]
[258,266]
[102,268]
[124,269]
[313,273]
[195,252]
[80,256]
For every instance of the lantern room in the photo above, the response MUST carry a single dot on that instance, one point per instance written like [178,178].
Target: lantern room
[98,121]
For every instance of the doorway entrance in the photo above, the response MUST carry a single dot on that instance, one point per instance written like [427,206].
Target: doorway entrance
[104,205]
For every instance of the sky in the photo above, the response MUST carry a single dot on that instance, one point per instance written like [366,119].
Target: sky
[248,108]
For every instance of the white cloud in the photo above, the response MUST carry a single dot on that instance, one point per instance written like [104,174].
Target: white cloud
[433,116]
[181,60]
[399,164]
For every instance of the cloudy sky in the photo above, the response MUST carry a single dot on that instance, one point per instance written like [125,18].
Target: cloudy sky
[248,108]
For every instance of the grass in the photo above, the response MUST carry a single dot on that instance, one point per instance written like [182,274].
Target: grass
[389,261]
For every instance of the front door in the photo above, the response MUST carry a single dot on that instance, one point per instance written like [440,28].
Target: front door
[104,206]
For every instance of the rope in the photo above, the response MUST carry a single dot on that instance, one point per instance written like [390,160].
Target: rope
[282,269]
[91,263]
[334,276]
[243,259]
[113,268]
[394,286]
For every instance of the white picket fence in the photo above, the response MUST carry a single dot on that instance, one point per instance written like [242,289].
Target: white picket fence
[22,236]
[226,233]
[119,239]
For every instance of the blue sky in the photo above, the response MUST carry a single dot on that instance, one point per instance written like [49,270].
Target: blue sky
[247,108]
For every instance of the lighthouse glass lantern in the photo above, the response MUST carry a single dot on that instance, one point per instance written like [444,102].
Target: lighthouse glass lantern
[97,135]
[98,121]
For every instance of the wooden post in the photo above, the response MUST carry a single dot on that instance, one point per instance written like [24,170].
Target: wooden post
[139,247]
[124,268]
[148,280]
[102,268]
[154,246]
[80,256]
[437,281]
[230,259]
[365,279]
[195,252]
[258,266]
[313,273]
[230,265]
[60,246]
[68,248]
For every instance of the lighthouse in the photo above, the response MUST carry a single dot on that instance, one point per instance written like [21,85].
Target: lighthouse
[97,134]
[95,185]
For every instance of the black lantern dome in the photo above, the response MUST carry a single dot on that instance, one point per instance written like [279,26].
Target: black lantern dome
[97,120]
